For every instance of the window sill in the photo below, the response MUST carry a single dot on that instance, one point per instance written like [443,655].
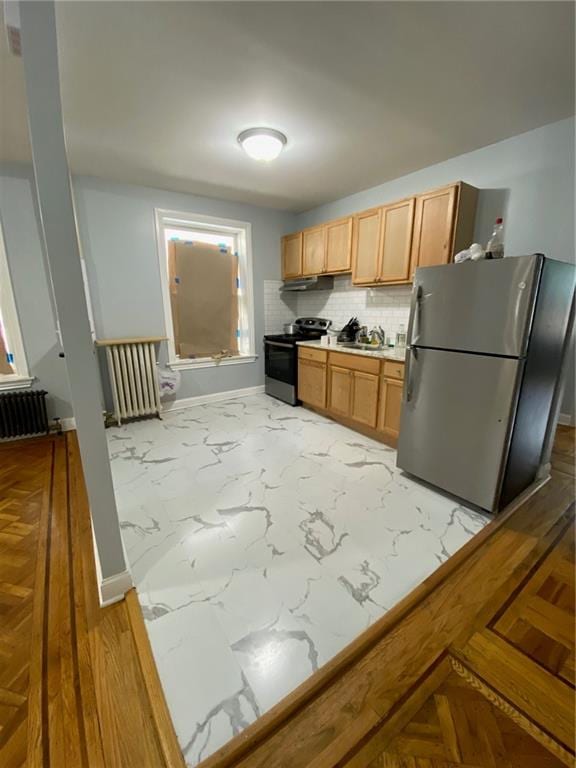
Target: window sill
[13,381]
[208,362]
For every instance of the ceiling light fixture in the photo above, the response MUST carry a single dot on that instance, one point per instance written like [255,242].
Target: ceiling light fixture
[262,143]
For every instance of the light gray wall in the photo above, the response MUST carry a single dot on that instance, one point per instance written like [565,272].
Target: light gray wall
[116,224]
[31,287]
[119,245]
[528,179]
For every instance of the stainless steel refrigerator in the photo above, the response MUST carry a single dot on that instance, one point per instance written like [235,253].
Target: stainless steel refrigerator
[486,342]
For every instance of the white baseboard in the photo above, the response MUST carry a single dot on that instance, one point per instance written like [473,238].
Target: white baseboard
[566,419]
[113,589]
[215,397]
[68,424]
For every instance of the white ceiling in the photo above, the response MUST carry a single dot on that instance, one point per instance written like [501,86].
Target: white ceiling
[155,93]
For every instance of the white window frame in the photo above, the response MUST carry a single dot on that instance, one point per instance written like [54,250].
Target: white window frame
[242,230]
[21,379]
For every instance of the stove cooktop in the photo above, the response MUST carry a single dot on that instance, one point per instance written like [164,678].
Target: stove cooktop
[292,338]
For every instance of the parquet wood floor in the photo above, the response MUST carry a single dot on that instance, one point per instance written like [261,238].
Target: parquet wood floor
[475,669]
[23,485]
[73,693]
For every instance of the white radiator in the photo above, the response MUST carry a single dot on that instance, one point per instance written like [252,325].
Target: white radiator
[133,377]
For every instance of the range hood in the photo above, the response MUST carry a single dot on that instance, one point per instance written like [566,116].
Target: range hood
[322,283]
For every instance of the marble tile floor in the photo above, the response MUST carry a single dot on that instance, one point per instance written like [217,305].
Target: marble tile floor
[263,539]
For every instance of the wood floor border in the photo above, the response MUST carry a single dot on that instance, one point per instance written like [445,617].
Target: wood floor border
[564,526]
[520,718]
[313,687]
[37,738]
[167,735]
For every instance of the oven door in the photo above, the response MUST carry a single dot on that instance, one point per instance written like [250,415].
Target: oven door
[280,361]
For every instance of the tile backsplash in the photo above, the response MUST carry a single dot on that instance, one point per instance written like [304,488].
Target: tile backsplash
[279,308]
[387,306]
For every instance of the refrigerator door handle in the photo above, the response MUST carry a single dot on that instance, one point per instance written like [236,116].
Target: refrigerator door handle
[413,322]
[408,372]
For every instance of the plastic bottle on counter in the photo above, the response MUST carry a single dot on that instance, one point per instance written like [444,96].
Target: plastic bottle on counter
[401,337]
[495,247]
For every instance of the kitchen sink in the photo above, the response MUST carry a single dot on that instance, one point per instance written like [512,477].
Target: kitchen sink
[358,345]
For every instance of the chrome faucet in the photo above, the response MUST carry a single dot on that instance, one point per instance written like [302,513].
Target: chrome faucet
[378,333]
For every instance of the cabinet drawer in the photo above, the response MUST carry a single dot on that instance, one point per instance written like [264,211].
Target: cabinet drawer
[355,362]
[311,353]
[393,369]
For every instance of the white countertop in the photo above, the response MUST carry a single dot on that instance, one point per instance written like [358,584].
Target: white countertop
[388,353]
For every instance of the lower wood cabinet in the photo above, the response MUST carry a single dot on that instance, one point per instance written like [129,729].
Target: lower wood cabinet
[358,389]
[364,407]
[390,407]
[312,383]
[340,390]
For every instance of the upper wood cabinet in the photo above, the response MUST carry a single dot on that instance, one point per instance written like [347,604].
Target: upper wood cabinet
[385,245]
[339,245]
[314,251]
[292,256]
[382,240]
[443,225]
[396,241]
[366,246]
[322,250]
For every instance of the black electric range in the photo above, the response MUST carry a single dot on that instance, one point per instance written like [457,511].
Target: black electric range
[281,357]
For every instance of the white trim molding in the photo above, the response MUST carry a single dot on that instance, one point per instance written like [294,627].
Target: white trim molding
[14,381]
[209,362]
[114,588]
[566,419]
[241,231]
[214,397]
[21,378]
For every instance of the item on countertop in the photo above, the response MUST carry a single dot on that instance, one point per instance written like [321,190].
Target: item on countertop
[390,340]
[348,333]
[401,337]
[377,336]
[325,340]
[332,337]
[362,335]
[495,247]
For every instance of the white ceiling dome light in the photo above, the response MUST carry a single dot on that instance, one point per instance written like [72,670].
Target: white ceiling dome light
[263,144]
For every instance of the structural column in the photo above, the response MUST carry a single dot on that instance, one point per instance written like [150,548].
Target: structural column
[56,206]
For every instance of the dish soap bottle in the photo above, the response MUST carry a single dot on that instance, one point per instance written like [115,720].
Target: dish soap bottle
[495,247]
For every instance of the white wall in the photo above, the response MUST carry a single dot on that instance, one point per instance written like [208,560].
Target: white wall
[116,225]
[528,179]
[31,286]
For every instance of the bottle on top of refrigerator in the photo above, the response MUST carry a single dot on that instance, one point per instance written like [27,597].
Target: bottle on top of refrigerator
[495,247]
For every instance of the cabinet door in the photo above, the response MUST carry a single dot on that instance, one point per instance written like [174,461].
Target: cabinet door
[366,247]
[312,383]
[292,255]
[390,407]
[339,245]
[396,241]
[313,251]
[365,398]
[433,228]
[340,394]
